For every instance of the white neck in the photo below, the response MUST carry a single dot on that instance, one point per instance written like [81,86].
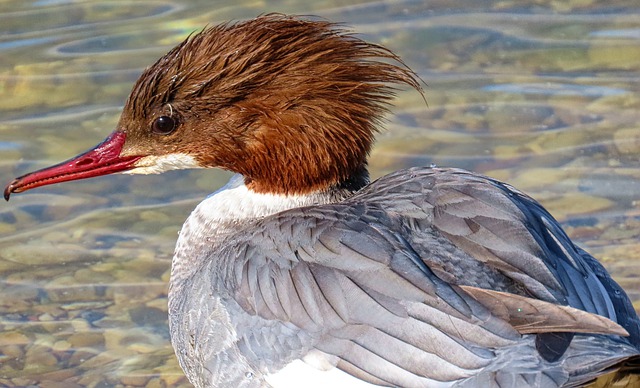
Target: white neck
[234,202]
[226,211]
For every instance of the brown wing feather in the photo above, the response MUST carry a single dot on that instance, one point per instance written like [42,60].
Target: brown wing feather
[529,315]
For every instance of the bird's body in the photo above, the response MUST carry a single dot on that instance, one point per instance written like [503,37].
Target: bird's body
[427,277]
[387,281]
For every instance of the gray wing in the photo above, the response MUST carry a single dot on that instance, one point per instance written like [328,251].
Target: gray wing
[511,243]
[504,230]
[360,294]
[420,279]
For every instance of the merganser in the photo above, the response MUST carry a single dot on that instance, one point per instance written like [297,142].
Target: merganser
[427,277]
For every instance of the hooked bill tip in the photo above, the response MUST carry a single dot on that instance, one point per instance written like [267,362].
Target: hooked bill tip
[8,190]
[14,187]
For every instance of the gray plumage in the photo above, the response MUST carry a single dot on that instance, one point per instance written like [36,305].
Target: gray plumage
[383,284]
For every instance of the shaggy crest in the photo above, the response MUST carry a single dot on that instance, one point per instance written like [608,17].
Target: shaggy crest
[284,91]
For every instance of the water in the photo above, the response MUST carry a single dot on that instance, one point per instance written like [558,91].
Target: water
[543,95]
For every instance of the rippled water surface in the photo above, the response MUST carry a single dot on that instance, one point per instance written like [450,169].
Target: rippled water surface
[545,96]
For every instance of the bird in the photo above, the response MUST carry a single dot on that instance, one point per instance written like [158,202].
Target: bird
[426,277]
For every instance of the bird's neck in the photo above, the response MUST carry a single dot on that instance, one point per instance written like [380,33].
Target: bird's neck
[229,210]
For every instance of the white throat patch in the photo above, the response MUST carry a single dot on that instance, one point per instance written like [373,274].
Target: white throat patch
[160,164]
[235,202]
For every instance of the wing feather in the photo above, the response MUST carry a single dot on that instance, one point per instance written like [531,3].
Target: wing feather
[529,315]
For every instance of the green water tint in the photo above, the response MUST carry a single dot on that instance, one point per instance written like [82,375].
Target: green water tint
[543,96]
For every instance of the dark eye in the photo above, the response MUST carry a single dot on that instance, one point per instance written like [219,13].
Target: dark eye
[164,125]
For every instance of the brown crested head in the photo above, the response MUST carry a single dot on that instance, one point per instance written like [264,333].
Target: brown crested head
[291,104]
